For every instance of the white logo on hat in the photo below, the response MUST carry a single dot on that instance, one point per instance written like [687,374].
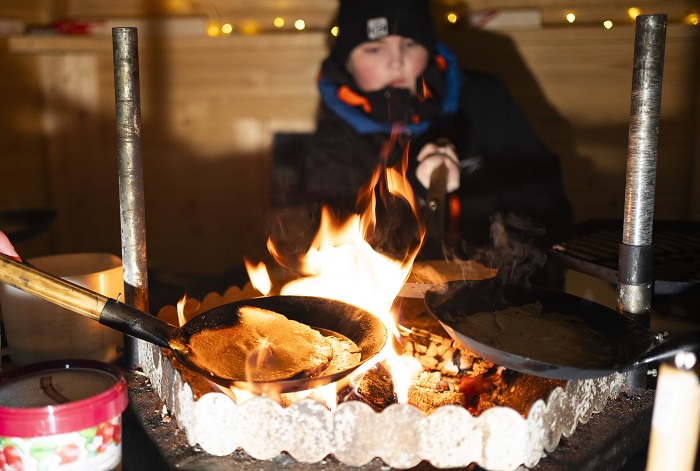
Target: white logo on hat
[377,28]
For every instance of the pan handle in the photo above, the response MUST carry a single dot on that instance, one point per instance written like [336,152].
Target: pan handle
[85,302]
[51,288]
[689,342]
[137,323]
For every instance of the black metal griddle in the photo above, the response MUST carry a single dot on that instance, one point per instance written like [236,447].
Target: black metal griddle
[568,338]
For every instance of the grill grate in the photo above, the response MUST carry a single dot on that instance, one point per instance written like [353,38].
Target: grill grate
[592,247]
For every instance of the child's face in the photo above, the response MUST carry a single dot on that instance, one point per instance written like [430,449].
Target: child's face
[393,61]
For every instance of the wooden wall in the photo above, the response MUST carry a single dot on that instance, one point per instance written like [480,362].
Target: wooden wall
[210,107]
[319,14]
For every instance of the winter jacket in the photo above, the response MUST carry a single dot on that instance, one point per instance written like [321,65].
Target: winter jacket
[506,171]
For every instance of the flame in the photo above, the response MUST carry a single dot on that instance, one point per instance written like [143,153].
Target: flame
[404,370]
[259,277]
[342,264]
[327,395]
[187,308]
[181,311]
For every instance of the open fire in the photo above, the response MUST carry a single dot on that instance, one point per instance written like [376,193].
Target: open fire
[422,367]
[341,264]
[369,422]
[471,411]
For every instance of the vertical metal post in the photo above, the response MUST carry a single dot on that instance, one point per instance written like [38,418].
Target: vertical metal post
[131,189]
[635,264]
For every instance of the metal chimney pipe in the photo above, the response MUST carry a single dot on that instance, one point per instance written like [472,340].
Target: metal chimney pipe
[131,189]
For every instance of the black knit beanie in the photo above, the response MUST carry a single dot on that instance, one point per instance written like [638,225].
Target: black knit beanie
[367,20]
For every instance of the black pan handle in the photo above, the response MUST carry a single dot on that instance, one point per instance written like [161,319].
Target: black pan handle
[136,323]
[689,342]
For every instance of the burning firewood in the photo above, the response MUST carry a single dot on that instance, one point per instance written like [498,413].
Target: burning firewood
[433,390]
[455,375]
[375,388]
[520,391]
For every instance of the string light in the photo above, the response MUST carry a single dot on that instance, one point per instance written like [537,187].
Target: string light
[251,27]
[213,30]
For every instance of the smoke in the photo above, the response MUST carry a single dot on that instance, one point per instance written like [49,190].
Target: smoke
[513,249]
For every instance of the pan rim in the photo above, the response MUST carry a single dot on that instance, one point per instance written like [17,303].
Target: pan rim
[639,341]
[361,326]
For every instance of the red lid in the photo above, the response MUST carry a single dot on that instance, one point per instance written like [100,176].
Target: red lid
[56,397]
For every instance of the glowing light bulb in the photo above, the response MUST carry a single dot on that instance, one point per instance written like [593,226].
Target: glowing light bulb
[570,17]
[279,22]
[452,18]
[334,31]
[213,30]
[299,24]
[634,12]
[226,28]
[693,19]
[608,24]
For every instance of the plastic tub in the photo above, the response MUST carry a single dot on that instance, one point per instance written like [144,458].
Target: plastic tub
[38,330]
[62,415]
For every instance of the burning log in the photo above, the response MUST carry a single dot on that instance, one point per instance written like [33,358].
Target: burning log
[455,375]
[438,353]
[376,389]
[522,391]
[433,390]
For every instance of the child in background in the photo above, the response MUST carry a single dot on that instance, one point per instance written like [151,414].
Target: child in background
[388,85]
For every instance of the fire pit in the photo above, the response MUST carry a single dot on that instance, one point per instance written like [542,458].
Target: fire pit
[609,440]
[500,438]
[355,434]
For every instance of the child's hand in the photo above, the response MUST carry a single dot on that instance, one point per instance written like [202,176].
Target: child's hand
[431,157]
[7,248]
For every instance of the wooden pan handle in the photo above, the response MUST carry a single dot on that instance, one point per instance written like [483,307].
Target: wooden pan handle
[51,288]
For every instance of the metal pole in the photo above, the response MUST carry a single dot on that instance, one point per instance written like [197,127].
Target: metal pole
[131,190]
[635,277]
[635,264]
